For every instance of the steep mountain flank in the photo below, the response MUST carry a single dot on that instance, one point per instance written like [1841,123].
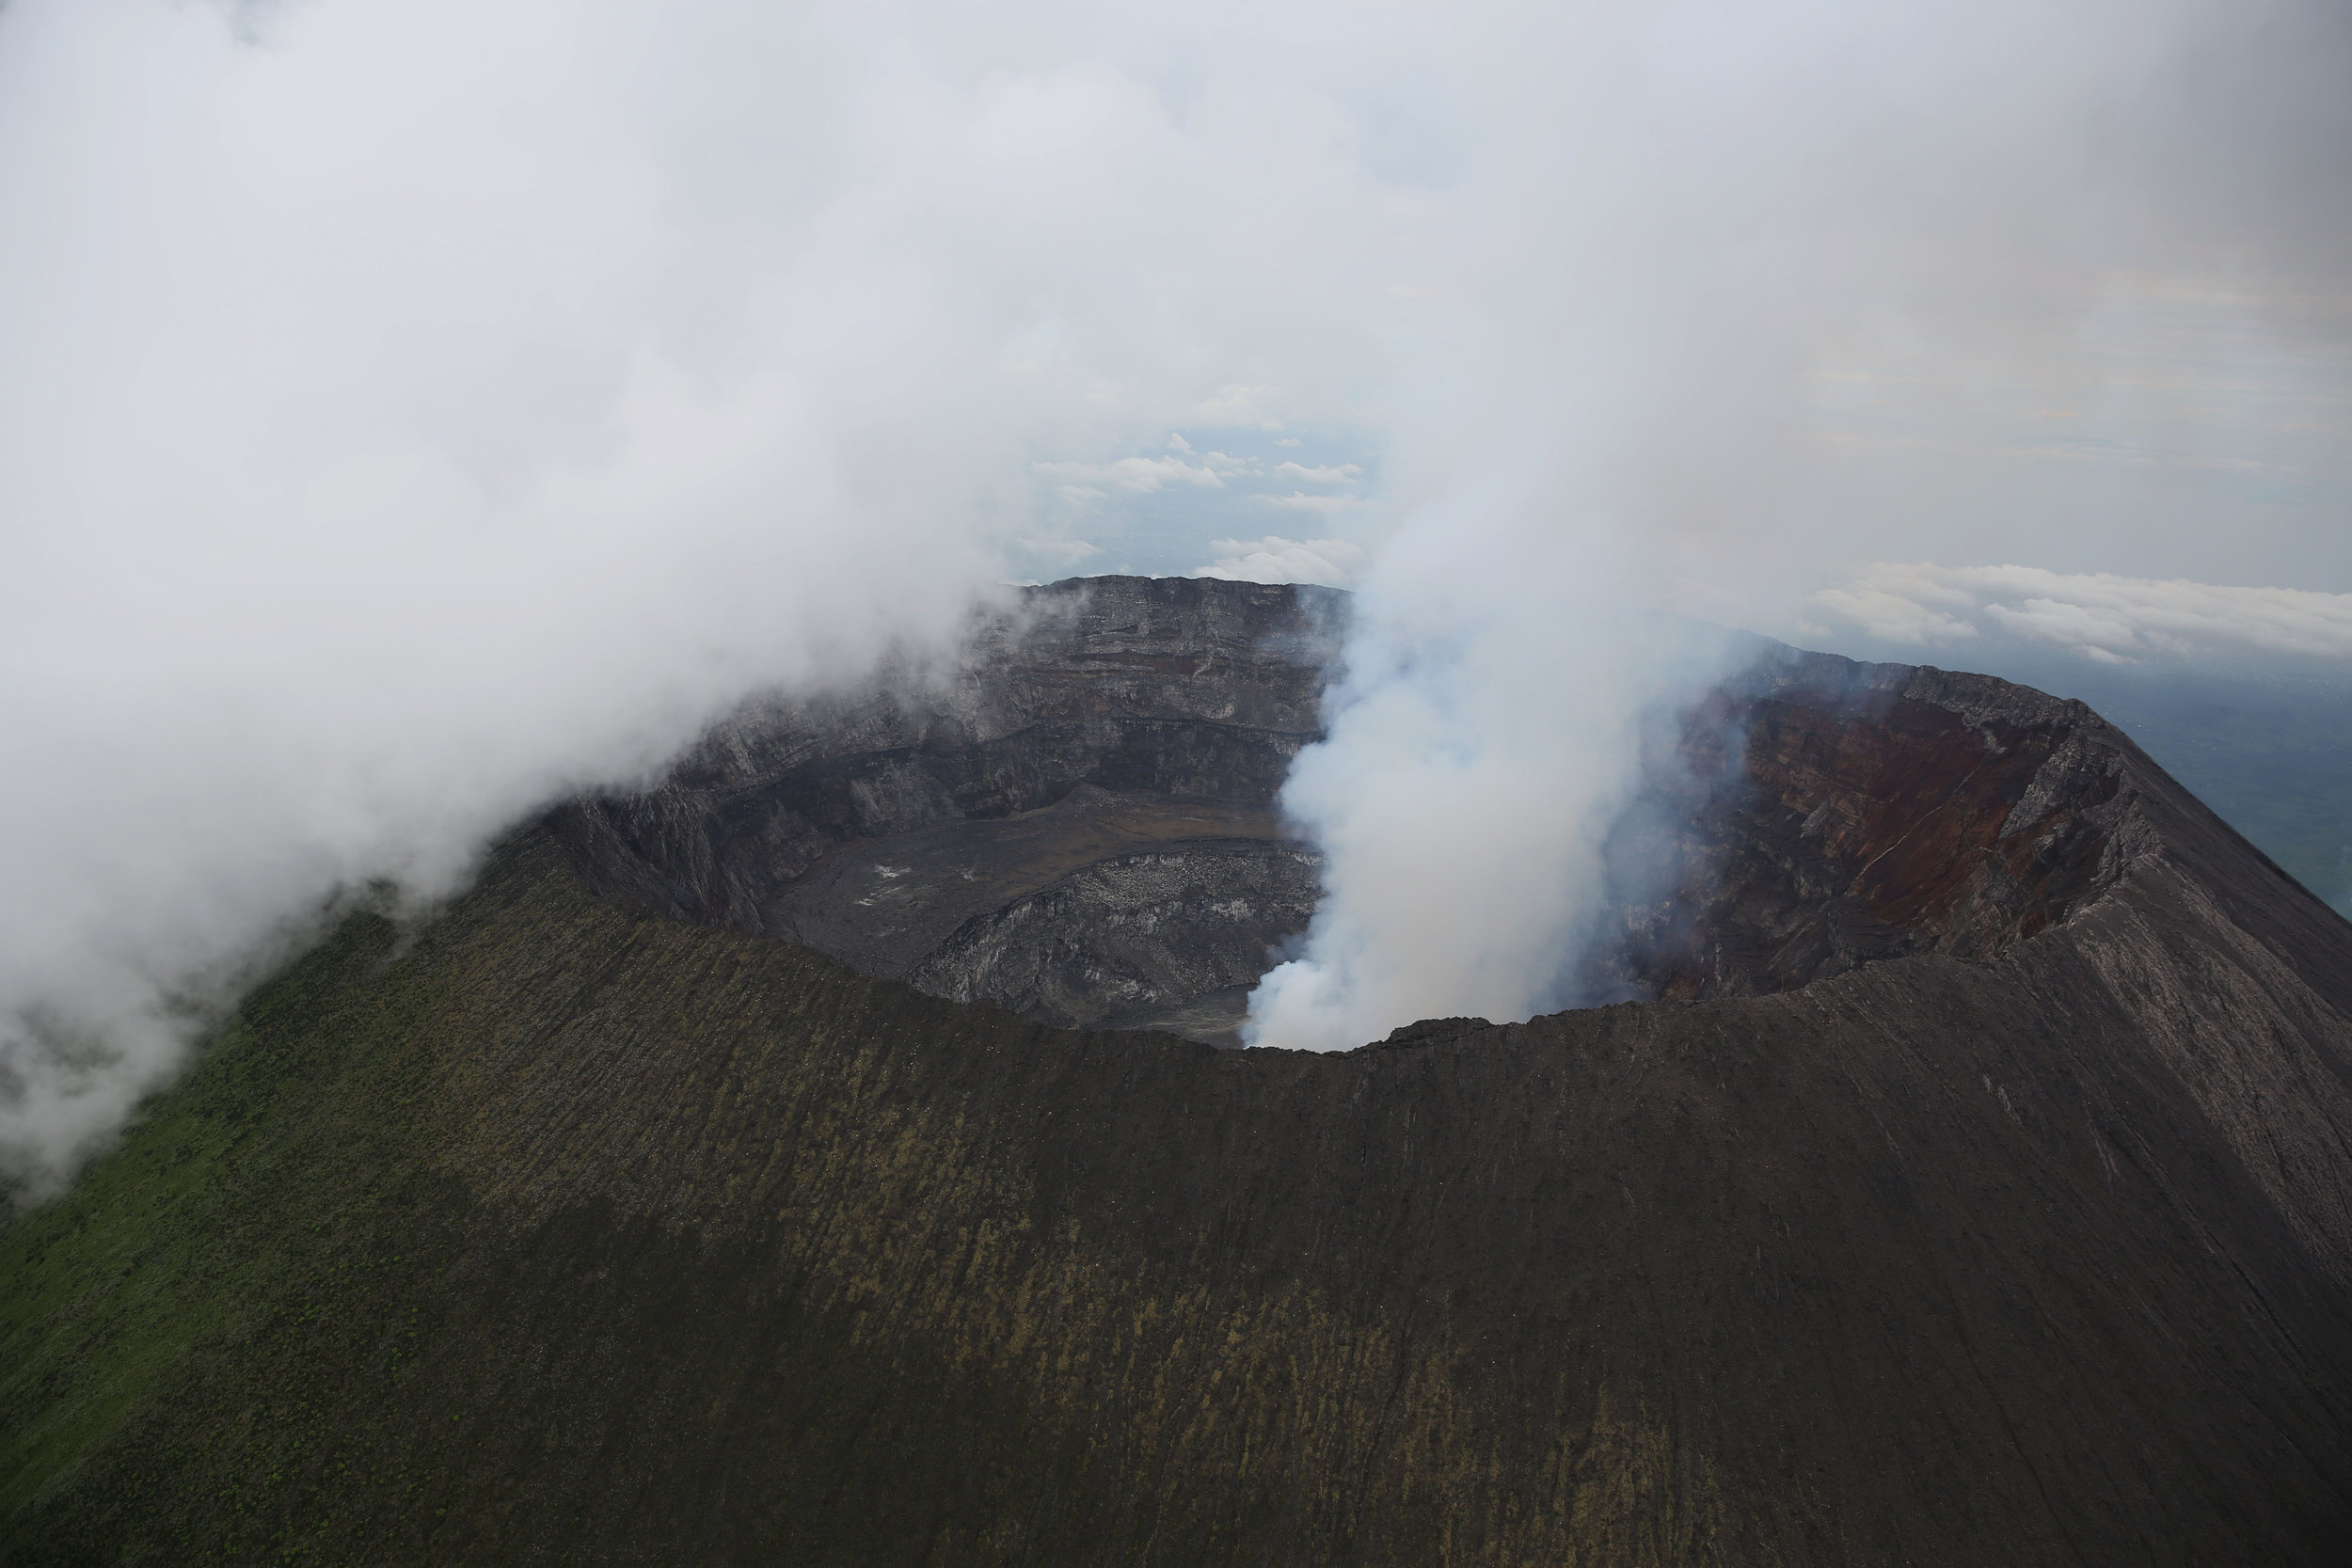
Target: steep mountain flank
[1990,1204]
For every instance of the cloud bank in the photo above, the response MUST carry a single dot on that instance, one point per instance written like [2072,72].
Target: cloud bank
[1333,562]
[2102,617]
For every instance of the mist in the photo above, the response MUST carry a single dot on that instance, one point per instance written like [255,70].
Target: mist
[410,412]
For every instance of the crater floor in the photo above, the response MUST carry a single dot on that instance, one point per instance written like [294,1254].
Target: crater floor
[1102,909]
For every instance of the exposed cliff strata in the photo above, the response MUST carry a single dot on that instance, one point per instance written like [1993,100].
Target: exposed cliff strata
[1093,948]
[1098,773]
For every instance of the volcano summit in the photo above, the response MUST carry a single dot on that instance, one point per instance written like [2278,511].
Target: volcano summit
[1079,824]
[828,1157]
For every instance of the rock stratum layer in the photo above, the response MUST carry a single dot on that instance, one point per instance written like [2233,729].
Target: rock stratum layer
[1986,1201]
[1076,822]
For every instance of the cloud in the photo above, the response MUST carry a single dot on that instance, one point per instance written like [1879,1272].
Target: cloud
[2102,617]
[414,410]
[1255,405]
[1902,604]
[1340,473]
[1135,476]
[1333,562]
[1299,500]
[1059,554]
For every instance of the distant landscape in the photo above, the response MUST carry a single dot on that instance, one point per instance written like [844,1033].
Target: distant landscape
[2274,758]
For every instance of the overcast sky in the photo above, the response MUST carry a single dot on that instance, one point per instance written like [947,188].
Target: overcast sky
[409,408]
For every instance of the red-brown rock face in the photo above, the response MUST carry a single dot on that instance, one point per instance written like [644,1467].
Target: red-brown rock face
[1828,814]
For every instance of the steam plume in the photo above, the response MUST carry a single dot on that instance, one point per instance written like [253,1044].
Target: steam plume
[410,410]
[1702,219]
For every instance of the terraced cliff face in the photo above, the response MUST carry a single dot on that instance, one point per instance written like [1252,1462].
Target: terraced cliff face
[1992,1204]
[1076,822]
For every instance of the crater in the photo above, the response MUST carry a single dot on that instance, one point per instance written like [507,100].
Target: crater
[1078,822]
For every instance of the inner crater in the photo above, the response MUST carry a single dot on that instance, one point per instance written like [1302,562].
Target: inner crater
[1078,821]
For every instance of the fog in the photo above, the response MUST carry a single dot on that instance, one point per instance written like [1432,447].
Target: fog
[411,411]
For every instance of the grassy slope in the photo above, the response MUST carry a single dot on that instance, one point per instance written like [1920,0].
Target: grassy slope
[253,1243]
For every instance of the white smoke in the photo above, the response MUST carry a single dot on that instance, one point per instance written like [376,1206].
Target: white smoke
[1478,755]
[411,409]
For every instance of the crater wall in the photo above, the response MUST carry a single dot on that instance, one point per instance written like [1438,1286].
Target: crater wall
[1078,819]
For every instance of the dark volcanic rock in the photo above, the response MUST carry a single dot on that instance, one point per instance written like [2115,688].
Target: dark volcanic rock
[1132,941]
[1075,822]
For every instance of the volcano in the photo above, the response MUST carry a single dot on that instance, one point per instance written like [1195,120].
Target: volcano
[834,1155]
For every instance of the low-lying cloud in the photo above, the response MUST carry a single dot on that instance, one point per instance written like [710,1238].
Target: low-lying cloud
[1328,473]
[412,410]
[1332,562]
[2100,616]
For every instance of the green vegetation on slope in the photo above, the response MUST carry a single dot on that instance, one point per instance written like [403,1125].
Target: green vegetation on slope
[222,1278]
